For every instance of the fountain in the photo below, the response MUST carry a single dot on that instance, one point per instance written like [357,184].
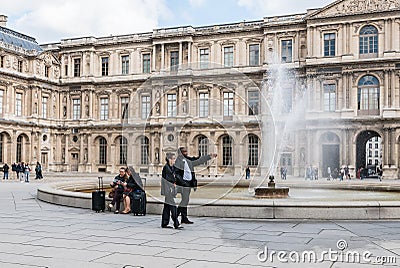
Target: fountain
[278,120]
[271,191]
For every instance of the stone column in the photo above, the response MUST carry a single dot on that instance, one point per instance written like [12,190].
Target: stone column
[392,88]
[67,152]
[162,57]
[386,89]
[236,51]
[387,35]
[180,55]
[189,54]
[153,57]
[344,38]
[112,156]
[70,66]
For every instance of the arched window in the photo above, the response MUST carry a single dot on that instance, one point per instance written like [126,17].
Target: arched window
[102,151]
[368,40]
[227,151]
[253,150]
[368,94]
[123,150]
[19,149]
[144,150]
[203,145]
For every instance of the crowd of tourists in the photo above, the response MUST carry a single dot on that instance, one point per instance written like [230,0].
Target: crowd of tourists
[22,171]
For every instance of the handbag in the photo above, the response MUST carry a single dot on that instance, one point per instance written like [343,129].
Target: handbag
[173,190]
[111,193]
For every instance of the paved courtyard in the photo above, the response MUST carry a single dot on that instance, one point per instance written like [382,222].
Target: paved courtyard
[37,234]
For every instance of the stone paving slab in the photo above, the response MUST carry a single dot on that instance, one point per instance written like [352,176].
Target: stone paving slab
[37,234]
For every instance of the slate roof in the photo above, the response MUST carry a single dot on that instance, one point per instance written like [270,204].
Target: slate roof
[18,40]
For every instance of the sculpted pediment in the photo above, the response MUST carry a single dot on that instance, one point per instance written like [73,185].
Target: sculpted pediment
[353,7]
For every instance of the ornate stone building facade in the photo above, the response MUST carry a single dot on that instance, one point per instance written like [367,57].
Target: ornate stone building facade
[93,104]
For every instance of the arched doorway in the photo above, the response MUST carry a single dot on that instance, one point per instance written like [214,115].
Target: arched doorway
[330,143]
[365,140]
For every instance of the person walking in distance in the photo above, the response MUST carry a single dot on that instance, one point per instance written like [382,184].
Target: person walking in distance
[5,170]
[247,173]
[38,171]
[27,170]
[186,178]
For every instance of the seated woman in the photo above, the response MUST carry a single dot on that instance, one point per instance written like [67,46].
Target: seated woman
[118,185]
[130,185]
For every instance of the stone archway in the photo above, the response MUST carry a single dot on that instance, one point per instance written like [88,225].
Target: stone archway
[361,147]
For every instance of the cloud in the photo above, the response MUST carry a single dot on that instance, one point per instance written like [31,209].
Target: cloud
[197,3]
[53,20]
[264,8]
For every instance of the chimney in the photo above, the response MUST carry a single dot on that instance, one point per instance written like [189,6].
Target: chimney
[3,20]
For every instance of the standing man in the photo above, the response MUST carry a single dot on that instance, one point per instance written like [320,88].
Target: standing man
[14,168]
[27,170]
[247,173]
[186,178]
[329,174]
[5,170]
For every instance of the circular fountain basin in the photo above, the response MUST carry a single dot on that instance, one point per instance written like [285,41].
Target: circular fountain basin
[271,192]
[223,200]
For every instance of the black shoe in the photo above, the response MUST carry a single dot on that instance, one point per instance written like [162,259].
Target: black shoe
[179,227]
[166,226]
[187,222]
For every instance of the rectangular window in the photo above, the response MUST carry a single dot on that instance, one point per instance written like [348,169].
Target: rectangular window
[103,108]
[145,107]
[254,102]
[1,101]
[104,66]
[146,63]
[124,107]
[125,64]
[77,67]
[44,107]
[329,44]
[204,58]
[329,97]
[174,60]
[376,146]
[1,61]
[20,66]
[46,71]
[228,56]
[254,55]
[228,104]
[171,107]
[376,153]
[203,104]
[286,52]
[18,104]
[66,70]
[76,109]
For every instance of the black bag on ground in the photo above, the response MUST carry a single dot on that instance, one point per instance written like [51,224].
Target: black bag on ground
[99,198]
[138,202]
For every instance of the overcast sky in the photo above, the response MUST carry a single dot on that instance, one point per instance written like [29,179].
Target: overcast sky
[53,20]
